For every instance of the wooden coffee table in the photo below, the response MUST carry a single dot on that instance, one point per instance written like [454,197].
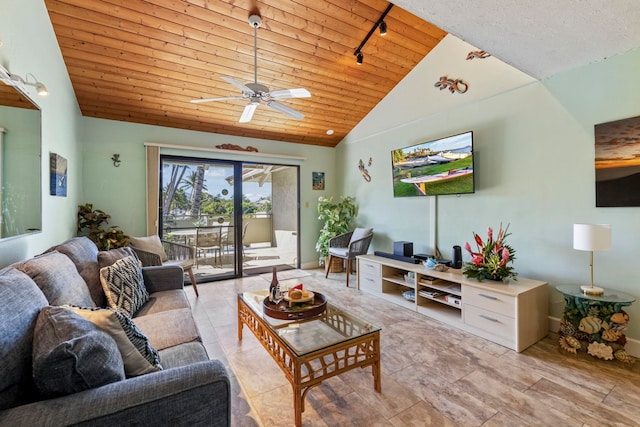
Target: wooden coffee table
[312,350]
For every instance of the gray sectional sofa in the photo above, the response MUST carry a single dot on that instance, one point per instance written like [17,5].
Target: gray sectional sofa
[188,389]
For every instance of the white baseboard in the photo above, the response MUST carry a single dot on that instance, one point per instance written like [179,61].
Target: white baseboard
[632,346]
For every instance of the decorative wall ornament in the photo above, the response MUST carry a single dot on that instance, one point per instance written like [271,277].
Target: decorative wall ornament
[57,175]
[236,147]
[317,180]
[481,54]
[456,85]
[364,171]
[116,160]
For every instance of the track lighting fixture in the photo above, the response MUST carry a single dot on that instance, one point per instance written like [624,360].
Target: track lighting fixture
[383,30]
[16,80]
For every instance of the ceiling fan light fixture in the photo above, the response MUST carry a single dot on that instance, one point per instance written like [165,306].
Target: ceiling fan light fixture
[257,93]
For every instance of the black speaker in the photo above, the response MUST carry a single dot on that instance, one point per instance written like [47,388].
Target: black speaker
[403,248]
[456,257]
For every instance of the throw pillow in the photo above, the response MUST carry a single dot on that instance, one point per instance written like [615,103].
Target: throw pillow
[360,233]
[71,354]
[150,244]
[123,285]
[137,354]
[107,258]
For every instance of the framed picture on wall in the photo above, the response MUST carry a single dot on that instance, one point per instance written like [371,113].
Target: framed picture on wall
[317,180]
[57,175]
[617,163]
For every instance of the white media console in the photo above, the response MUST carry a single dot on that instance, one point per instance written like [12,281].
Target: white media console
[512,314]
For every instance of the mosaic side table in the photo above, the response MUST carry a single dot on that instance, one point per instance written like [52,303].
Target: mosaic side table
[595,323]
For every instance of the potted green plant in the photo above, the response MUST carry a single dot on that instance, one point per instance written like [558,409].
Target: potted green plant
[90,224]
[336,218]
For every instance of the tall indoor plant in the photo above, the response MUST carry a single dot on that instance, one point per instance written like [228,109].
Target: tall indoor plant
[336,218]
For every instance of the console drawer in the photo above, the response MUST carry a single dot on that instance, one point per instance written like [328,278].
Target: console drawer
[370,268]
[488,300]
[371,283]
[495,324]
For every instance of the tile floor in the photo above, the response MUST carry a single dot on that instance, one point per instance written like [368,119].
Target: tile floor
[432,374]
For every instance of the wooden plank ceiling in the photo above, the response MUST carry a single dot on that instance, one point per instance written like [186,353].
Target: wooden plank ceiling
[143,61]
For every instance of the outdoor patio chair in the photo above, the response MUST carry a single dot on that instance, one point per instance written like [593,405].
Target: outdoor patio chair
[153,251]
[208,240]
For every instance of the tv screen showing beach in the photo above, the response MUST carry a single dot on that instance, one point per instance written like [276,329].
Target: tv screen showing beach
[437,167]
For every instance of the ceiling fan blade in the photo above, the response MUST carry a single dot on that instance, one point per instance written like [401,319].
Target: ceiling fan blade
[241,86]
[226,98]
[248,111]
[299,92]
[294,114]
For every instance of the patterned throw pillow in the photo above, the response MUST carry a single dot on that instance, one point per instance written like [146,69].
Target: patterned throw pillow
[138,355]
[71,354]
[123,285]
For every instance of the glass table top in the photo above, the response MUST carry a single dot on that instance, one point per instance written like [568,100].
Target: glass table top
[304,336]
[610,295]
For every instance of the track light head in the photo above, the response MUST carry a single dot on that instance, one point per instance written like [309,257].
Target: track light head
[383,28]
[41,89]
[359,58]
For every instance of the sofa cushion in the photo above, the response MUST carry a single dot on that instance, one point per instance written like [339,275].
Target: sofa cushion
[107,258]
[150,244]
[84,254]
[71,354]
[183,355]
[21,302]
[163,301]
[58,278]
[169,328]
[123,285]
[138,355]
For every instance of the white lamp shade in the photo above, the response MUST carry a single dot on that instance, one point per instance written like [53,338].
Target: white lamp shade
[592,237]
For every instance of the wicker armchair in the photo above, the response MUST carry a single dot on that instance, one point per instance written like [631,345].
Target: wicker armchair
[176,254]
[348,246]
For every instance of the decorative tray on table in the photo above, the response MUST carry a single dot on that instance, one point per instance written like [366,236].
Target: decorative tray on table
[312,304]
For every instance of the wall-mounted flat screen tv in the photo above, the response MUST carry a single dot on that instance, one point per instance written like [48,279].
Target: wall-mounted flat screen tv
[432,168]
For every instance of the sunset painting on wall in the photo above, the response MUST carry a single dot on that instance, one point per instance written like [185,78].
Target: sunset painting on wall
[618,163]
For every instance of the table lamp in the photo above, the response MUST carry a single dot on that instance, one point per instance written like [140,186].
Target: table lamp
[592,237]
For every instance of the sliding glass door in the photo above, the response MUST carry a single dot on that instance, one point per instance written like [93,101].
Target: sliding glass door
[240,218]
[270,214]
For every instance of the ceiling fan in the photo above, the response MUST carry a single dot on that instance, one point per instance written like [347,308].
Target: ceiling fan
[256,92]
